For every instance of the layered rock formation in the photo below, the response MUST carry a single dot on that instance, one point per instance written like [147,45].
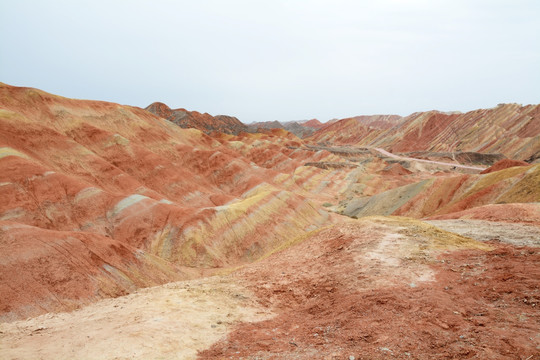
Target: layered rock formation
[509,129]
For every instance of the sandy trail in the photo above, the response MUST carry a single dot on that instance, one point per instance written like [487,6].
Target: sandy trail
[172,321]
[389,154]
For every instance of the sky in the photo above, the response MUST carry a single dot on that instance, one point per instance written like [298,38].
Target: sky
[277,60]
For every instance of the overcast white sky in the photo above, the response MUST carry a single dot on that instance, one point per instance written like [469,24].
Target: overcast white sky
[277,60]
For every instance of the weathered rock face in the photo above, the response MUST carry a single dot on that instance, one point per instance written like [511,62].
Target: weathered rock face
[510,129]
[193,119]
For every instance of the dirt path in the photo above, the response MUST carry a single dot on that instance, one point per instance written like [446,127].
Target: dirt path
[389,154]
[381,290]
[173,321]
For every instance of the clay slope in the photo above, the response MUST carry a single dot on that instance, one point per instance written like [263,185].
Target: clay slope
[99,199]
[455,194]
[510,129]
[194,119]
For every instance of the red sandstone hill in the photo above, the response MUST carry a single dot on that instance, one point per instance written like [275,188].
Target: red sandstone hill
[313,123]
[194,119]
[99,199]
[305,129]
[510,129]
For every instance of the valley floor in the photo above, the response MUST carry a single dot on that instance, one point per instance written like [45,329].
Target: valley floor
[373,288]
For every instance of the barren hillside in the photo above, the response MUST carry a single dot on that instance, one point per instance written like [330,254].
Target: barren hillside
[127,233]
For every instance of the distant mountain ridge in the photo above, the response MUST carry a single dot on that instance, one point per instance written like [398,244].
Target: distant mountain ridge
[301,128]
[510,129]
[194,119]
[229,124]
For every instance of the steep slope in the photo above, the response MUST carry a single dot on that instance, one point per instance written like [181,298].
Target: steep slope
[510,129]
[527,213]
[193,119]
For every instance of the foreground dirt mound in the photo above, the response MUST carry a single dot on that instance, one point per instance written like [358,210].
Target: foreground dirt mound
[172,321]
[375,288]
[380,289]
